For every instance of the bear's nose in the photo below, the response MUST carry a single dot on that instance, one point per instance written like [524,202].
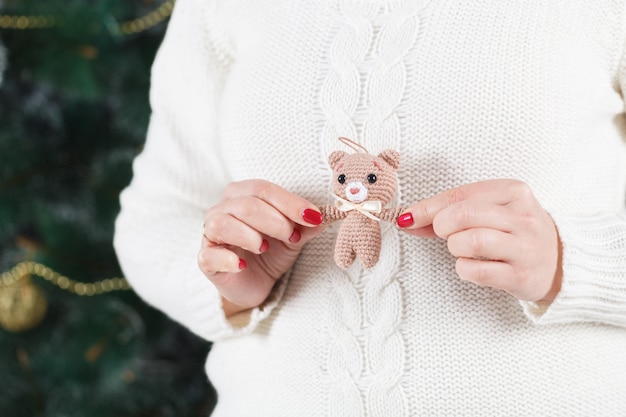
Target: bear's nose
[354,190]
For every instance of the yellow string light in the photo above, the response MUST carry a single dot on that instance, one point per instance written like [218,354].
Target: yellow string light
[128,27]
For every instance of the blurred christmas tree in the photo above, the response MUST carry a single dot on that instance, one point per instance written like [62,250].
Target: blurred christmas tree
[74,109]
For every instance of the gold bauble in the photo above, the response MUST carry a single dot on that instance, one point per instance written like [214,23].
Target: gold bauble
[22,305]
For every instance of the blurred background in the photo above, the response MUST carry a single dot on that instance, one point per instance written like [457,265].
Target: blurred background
[74,341]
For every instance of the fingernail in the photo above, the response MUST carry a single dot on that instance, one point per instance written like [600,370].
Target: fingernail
[405,220]
[265,245]
[312,216]
[242,264]
[295,236]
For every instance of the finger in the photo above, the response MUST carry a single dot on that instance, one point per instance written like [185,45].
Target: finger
[473,214]
[485,273]
[484,244]
[215,259]
[258,215]
[224,229]
[227,271]
[500,192]
[292,206]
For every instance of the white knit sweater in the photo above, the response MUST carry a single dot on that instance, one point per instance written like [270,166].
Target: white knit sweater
[465,91]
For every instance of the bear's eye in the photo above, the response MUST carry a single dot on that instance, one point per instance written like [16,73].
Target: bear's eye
[341,178]
[371,178]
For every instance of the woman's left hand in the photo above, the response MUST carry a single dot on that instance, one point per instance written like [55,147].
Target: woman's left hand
[501,236]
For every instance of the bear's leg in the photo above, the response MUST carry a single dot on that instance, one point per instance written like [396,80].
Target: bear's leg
[344,254]
[368,250]
[369,256]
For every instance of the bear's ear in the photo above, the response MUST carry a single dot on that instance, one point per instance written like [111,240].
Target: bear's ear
[335,157]
[391,157]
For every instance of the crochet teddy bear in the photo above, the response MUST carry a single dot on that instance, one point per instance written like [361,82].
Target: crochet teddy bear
[362,185]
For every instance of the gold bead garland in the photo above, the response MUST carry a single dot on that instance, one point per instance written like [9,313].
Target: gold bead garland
[26,22]
[126,28]
[150,20]
[23,304]
[25,269]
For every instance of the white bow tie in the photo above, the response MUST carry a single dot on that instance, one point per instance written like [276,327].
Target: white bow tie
[366,208]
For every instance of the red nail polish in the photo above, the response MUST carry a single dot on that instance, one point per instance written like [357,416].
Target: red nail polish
[295,236]
[312,216]
[405,220]
[242,264]
[265,245]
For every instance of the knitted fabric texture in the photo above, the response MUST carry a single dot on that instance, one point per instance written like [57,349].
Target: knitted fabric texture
[465,91]
[363,185]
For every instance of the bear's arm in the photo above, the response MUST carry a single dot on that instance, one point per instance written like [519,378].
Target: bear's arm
[331,214]
[391,214]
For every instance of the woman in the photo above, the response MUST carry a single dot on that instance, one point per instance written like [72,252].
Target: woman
[500,290]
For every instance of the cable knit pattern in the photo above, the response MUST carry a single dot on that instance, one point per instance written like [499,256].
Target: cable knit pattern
[342,90]
[383,39]
[385,345]
[339,101]
[465,91]
[345,357]
[386,85]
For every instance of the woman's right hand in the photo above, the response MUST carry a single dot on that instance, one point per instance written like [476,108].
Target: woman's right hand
[251,238]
